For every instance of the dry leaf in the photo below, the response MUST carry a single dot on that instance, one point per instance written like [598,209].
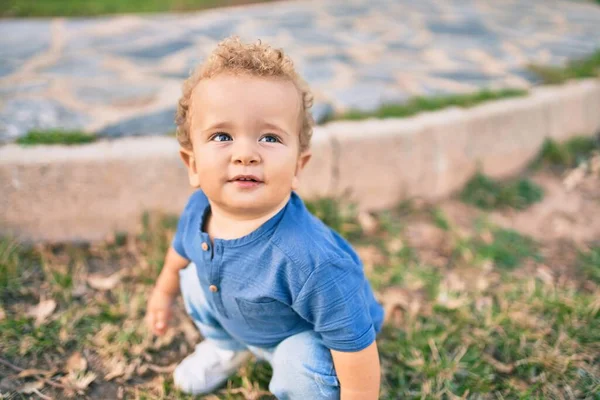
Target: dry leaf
[26,373]
[370,256]
[81,383]
[545,274]
[100,282]
[77,382]
[395,245]
[367,222]
[42,311]
[31,387]
[396,297]
[131,368]
[79,289]
[451,302]
[498,366]
[141,369]
[574,177]
[167,369]
[63,335]
[190,331]
[116,367]
[76,363]
[2,314]
[487,237]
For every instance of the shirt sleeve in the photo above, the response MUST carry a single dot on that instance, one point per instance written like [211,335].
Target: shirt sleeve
[333,301]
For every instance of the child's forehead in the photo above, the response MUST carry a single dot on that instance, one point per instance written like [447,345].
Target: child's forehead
[228,83]
[255,92]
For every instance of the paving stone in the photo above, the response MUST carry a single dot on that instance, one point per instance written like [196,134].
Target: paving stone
[315,37]
[7,67]
[331,57]
[115,42]
[120,94]
[415,39]
[157,123]
[19,116]
[159,50]
[317,73]
[347,10]
[526,74]
[381,72]
[462,28]
[404,46]
[466,76]
[296,21]
[216,31]
[24,87]
[367,96]
[78,66]
[22,39]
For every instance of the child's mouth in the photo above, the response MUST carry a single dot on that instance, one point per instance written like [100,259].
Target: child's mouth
[246,182]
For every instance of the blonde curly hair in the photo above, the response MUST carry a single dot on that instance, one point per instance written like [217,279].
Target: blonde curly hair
[258,59]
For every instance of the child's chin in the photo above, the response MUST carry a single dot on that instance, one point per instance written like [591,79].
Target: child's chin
[253,204]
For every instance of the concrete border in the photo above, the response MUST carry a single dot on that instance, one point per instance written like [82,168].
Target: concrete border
[86,192]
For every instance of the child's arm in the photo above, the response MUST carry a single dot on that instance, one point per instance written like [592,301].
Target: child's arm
[358,373]
[165,291]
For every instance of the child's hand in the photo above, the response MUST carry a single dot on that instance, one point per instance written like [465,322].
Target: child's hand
[158,313]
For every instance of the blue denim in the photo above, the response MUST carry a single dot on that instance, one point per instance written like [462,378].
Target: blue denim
[302,364]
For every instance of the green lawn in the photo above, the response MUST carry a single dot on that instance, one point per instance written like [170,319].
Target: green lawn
[416,105]
[587,67]
[475,314]
[76,8]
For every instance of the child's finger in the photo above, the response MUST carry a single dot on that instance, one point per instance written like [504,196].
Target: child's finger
[160,321]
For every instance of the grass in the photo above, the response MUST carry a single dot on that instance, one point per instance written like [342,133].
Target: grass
[75,8]
[477,325]
[421,104]
[55,136]
[487,193]
[496,350]
[567,154]
[337,214]
[589,264]
[588,67]
[507,248]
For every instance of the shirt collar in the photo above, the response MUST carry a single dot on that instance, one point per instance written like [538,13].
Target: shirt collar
[266,228]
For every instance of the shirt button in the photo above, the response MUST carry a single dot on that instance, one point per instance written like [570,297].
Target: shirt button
[204,246]
[213,288]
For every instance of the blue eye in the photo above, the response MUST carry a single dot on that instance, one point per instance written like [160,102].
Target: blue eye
[221,137]
[270,139]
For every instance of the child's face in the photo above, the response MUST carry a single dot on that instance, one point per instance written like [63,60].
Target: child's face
[244,127]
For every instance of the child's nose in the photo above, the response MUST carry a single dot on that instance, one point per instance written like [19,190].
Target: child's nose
[245,153]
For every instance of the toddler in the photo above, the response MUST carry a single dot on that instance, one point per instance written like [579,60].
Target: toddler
[258,273]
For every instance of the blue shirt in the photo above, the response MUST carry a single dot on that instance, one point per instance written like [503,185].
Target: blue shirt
[290,275]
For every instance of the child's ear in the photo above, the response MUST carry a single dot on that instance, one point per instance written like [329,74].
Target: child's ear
[190,162]
[302,160]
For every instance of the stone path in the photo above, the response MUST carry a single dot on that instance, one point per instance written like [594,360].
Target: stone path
[121,75]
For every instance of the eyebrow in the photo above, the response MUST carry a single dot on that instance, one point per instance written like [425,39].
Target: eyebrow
[228,125]
[219,125]
[275,127]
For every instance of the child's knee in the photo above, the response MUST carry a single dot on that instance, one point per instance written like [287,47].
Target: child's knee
[301,363]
